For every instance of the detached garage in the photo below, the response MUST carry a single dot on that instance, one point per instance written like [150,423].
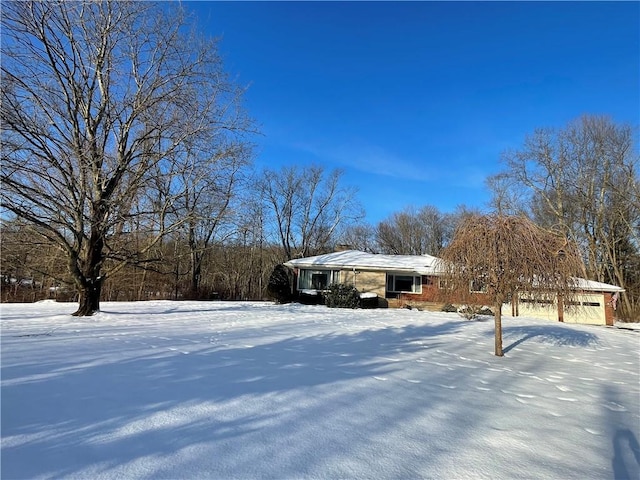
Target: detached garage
[595,305]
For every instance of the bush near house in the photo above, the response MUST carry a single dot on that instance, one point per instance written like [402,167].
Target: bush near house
[468,311]
[340,295]
[279,287]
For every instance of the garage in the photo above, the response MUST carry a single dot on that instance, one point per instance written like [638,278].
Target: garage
[586,308]
[594,303]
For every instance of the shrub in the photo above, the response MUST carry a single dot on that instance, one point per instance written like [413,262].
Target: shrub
[368,300]
[279,287]
[449,308]
[340,295]
[468,312]
[485,311]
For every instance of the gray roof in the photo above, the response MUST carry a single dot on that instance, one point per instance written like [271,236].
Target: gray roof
[355,259]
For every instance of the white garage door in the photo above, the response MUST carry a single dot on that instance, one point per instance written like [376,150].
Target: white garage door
[586,308]
[545,309]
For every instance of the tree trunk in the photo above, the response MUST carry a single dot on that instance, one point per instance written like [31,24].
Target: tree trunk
[196,272]
[89,298]
[498,322]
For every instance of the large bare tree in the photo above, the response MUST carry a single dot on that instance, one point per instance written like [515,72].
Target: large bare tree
[99,102]
[505,255]
[584,179]
[307,207]
[415,231]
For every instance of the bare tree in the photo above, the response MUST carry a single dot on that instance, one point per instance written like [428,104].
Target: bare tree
[99,100]
[307,207]
[360,237]
[509,254]
[208,200]
[415,232]
[584,179]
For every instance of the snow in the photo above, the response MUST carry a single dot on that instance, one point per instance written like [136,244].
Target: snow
[309,291]
[368,295]
[355,259]
[593,286]
[255,390]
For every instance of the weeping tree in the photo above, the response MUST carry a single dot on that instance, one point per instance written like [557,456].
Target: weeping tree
[504,255]
[583,178]
[100,103]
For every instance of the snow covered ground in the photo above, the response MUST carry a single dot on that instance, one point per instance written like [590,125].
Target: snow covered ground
[251,390]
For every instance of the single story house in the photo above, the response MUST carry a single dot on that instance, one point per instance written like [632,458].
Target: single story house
[415,280]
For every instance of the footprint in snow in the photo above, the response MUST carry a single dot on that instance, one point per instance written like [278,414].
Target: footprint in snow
[614,407]
[555,414]
[450,387]
[413,381]
[483,389]
[562,388]
[592,431]
[382,379]
[568,399]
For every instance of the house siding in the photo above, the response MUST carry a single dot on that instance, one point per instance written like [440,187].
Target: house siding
[435,297]
[374,282]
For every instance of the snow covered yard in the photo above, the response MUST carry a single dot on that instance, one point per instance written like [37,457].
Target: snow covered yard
[251,390]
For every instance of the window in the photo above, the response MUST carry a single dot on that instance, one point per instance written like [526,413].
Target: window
[477,286]
[538,301]
[404,283]
[317,279]
[584,304]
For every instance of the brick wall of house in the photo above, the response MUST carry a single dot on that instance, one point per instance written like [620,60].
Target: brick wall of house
[433,294]
[609,312]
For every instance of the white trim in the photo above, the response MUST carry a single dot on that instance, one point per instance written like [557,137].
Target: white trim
[416,280]
[333,276]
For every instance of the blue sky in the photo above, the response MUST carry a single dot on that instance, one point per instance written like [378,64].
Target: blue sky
[415,101]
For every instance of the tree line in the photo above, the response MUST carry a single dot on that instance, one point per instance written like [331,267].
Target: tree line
[127,172]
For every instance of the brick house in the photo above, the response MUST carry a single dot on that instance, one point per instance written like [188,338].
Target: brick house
[415,280]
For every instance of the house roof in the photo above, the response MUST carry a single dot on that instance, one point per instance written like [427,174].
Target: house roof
[350,259]
[415,264]
[593,286]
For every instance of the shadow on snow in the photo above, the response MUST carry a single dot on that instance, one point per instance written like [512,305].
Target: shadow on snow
[549,334]
[109,413]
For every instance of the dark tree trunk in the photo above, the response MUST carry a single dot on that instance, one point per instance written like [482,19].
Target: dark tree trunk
[498,324]
[90,280]
[89,298]
[196,273]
